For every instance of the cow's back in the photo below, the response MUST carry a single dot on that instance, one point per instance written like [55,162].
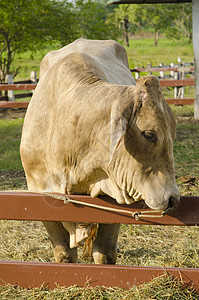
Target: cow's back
[109,54]
[55,105]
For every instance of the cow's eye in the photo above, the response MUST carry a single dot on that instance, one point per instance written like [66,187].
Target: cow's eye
[150,136]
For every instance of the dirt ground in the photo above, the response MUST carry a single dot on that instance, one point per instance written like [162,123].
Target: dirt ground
[10,113]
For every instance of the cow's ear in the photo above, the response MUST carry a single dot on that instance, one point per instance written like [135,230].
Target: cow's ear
[148,83]
[119,123]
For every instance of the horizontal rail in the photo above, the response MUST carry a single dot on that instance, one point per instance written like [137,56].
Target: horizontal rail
[18,87]
[16,96]
[13,104]
[32,274]
[163,83]
[177,82]
[40,207]
[163,69]
[179,101]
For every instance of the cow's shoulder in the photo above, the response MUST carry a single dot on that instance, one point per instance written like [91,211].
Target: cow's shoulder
[105,52]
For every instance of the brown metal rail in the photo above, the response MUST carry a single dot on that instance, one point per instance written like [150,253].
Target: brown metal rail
[39,207]
[32,274]
[32,206]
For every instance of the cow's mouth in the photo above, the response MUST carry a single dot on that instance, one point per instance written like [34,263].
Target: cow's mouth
[132,196]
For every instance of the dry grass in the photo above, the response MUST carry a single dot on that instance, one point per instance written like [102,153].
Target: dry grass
[163,287]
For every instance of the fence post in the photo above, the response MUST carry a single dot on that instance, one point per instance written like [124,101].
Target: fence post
[149,66]
[11,96]
[182,89]
[172,72]
[161,65]
[137,74]
[176,89]
[33,77]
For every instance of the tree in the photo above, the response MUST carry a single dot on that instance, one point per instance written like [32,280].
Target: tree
[92,21]
[173,20]
[29,24]
[186,18]
[121,18]
[153,15]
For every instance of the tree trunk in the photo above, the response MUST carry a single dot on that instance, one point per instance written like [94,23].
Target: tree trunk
[156,37]
[125,29]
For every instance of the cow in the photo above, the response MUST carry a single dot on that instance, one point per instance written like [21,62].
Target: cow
[90,129]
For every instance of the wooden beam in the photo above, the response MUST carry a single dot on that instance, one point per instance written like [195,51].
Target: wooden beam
[177,83]
[18,87]
[179,101]
[6,104]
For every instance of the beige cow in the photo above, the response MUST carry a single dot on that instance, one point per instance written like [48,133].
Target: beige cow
[89,129]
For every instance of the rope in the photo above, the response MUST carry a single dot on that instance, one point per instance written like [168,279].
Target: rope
[136,215]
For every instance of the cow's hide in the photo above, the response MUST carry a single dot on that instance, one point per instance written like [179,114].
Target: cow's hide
[89,129]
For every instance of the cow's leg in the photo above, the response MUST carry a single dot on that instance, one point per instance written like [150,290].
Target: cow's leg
[60,241]
[105,244]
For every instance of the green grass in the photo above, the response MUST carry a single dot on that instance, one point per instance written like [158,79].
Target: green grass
[142,51]
[30,61]
[186,149]
[10,134]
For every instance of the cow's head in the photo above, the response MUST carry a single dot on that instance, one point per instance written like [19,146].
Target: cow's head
[141,162]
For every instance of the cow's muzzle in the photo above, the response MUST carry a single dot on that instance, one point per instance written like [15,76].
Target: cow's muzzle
[173,205]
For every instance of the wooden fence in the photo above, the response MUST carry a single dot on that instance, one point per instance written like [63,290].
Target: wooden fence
[32,206]
[174,76]
[171,76]
[8,99]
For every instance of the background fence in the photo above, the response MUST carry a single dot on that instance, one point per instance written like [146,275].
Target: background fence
[32,206]
[176,76]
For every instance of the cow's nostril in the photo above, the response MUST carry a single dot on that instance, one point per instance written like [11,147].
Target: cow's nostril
[170,203]
[173,204]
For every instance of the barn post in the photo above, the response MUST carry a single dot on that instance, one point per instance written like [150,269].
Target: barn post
[195,12]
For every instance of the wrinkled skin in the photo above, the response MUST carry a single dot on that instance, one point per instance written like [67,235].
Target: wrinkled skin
[86,134]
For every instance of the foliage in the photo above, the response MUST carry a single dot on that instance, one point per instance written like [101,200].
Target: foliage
[172,19]
[28,24]
[92,20]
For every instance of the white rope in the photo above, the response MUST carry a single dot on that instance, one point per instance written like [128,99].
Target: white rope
[136,215]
